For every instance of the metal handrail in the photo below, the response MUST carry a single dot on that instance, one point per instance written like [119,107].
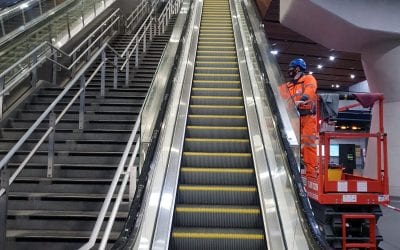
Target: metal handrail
[25,5]
[134,16]
[130,170]
[111,22]
[39,120]
[47,28]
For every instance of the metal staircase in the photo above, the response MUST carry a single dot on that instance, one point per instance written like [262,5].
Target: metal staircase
[217,202]
[59,212]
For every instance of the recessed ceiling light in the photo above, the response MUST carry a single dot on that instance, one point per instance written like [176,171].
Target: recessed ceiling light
[319,66]
[310,72]
[331,58]
[352,76]
[333,85]
[274,52]
[337,86]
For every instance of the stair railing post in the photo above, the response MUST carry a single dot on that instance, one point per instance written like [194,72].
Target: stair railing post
[50,154]
[144,41]
[54,69]
[2,81]
[34,70]
[82,103]
[137,53]
[68,25]
[40,7]
[115,72]
[127,73]
[4,185]
[151,28]
[82,14]
[23,16]
[3,30]
[103,74]
[132,182]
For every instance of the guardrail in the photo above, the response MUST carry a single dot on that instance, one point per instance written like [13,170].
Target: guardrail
[140,38]
[25,12]
[142,9]
[33,60]
[54,27]
[30,63]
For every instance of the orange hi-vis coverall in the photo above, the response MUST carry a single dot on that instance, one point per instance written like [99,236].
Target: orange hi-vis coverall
[305,90]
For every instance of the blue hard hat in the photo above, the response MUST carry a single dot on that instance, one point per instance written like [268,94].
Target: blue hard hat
[298,62]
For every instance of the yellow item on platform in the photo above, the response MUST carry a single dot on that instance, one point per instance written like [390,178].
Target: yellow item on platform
[335,174]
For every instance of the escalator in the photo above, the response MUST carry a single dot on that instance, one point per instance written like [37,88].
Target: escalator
[217,200]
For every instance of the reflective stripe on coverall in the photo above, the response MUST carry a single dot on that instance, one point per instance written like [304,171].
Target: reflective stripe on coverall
[306,87]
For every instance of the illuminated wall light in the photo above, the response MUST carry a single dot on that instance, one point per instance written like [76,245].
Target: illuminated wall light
[352,76]
[274,52]
[320,66]
[332,58]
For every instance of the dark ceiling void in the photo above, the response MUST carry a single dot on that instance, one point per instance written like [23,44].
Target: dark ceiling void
[334,70]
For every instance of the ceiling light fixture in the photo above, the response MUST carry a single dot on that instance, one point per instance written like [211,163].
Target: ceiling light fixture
[352,76]
[319,66]
[331,58]
[274,52]
[332,85]
[337,86]
[310,72]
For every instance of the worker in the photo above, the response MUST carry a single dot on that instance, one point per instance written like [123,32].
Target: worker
[302,89]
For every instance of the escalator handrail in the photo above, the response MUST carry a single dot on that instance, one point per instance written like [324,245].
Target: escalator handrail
[315,236]
[129,232]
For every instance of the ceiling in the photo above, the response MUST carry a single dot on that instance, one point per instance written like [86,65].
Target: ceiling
[334,74]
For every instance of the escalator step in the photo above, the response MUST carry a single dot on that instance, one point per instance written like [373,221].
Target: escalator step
[217,238]
[217,109]
[217,176]
[217,195]
[217,120]
[218,216]
[217,132]
[216,145]
[217,159]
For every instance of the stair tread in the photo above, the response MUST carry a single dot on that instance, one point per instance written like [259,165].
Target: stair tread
[55,234]
[58,195]
[60,213]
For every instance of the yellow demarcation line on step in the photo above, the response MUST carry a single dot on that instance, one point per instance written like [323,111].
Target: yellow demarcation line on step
[208,62]
[218,170]
[218,210]
[224,43]
[217,68]
[214,81]
[219,116]
[217,188]
[217,140]
[216,56]
[217,38]
[216,128]
[217,89]
[216,97]
[215,47]
[215,34]
[217,154]
[216,106]
[218,236]
[215,74]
